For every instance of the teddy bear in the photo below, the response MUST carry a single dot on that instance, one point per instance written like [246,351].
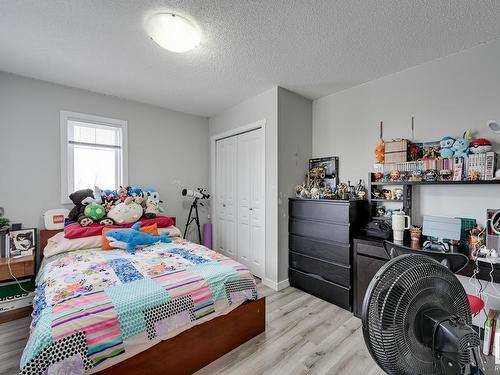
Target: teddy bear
[78,212]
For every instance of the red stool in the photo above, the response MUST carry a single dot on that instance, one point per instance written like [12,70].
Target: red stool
[476,304]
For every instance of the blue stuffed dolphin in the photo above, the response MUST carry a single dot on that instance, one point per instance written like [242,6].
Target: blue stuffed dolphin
[130,238]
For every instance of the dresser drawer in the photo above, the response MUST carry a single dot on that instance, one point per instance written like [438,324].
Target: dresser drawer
[337,212]
[315,285]
[327,270]
[320,230]
[333,252]
[371,250]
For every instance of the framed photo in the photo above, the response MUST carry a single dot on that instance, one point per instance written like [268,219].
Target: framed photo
[325,168]
[20,242]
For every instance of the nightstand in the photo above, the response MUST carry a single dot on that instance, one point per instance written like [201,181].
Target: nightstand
[21,267]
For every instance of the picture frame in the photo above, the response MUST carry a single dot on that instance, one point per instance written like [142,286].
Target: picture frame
[20,242]
[330,166]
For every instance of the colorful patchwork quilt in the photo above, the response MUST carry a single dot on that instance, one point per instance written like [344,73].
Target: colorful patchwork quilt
[95,308]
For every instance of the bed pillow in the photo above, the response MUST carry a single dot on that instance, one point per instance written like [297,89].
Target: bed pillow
[172,231]
[75,230]
[150,229]
[59,244]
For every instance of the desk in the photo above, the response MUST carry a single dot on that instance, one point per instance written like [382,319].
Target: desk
[369,256]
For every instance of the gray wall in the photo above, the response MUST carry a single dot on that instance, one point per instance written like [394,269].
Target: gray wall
[446,96]
[260,107]
[294,152]
[167,150]
[288,147]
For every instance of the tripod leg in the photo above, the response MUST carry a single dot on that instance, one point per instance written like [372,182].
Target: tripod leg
[197,219]
[188,221]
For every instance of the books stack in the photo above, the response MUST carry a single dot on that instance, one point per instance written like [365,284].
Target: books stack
[484,163]
[14,296]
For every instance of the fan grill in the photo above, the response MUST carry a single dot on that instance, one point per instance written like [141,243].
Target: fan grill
[399,291]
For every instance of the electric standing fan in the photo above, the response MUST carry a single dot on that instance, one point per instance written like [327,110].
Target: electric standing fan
[416,320]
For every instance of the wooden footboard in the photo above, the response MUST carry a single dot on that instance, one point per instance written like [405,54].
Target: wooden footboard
[195,348]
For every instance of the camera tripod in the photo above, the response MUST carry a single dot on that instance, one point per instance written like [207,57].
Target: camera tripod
[195,218]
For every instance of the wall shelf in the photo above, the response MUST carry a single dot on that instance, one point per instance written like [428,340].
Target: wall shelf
[416,183]
[387,200]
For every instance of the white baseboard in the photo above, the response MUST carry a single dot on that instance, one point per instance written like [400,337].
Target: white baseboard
[277,286]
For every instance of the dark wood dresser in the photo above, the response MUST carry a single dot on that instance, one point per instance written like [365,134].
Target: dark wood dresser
[320,247]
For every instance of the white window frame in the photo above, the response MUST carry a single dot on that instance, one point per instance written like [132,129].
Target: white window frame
[67,174]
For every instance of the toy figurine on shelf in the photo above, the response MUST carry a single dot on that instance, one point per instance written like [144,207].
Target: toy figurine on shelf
[474,175]
[480,146]
[417,176]
[395,175]
[378,176]
[376,193]
[387,194]
[380,211]
[446,144]
[461,145]
[380,148]
[360,190]
[431,175]
[398,194]
[445,175]
[343,191]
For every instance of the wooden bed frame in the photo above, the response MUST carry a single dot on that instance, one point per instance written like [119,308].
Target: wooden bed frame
[196,347]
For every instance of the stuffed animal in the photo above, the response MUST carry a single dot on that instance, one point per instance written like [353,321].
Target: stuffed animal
[126,212]
[95,211]
[153,208]
[122,193]
[480,146]
[461,145]
[380,151]
[446,144]
[95,198]
[130,238]
[108,195]
[137,194]
[78,212]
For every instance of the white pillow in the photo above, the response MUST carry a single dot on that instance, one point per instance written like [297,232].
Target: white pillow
[59,244]
[171,230]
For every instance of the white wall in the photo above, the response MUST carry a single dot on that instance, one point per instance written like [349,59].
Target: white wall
[261,107]
[294,152]
[446,96]
[167,150]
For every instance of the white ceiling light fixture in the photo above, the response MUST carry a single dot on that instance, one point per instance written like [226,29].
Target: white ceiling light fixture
[173,32]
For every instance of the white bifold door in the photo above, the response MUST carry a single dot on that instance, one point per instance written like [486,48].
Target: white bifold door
[240,199]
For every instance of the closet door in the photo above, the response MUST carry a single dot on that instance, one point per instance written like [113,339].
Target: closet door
[226,196]
[250,170]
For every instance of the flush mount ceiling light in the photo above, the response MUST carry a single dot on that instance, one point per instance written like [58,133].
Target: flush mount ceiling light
[173,32]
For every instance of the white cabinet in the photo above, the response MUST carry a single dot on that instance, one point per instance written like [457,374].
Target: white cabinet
[240,199]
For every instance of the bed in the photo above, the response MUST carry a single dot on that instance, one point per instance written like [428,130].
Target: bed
[168,308]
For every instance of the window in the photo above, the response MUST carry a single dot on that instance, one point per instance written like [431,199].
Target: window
[93,152]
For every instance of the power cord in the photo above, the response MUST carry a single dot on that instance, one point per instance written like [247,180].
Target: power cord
[14,277]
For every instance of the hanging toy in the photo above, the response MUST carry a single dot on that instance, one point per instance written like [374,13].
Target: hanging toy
[380,148]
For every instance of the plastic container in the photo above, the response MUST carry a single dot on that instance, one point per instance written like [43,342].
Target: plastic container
[54,219]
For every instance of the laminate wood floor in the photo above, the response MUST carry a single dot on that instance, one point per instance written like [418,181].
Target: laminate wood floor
[304,335]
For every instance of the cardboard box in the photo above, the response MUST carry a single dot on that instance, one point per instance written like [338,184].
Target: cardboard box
[396,151]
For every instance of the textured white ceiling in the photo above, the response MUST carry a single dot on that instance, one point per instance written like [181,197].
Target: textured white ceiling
[311,47]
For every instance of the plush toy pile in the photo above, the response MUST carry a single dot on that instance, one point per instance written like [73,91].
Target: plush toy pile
[108,207]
